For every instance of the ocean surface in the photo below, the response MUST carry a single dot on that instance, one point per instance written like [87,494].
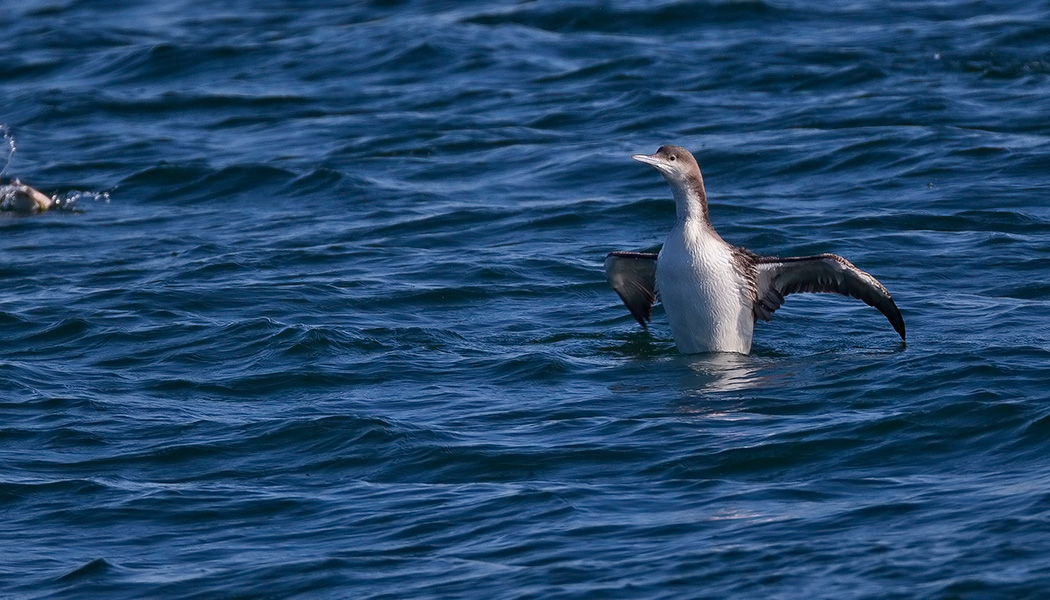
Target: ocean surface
[321,311]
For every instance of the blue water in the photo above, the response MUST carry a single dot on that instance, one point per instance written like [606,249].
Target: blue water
[322,313]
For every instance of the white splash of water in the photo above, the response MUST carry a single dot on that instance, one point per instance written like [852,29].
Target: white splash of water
[69,201]
[6,139]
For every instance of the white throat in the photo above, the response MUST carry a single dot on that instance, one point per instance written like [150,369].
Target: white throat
[690,199]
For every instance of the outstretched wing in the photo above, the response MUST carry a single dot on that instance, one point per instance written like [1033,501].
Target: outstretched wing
[778,277]
[633,276]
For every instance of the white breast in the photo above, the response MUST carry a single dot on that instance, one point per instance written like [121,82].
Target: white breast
[702,293]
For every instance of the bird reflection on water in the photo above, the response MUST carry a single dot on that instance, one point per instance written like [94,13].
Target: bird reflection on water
[723,372]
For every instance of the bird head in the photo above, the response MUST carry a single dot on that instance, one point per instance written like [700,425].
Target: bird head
[675,163]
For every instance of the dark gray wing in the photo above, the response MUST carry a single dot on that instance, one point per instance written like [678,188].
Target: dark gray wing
[778,277]
[633,276]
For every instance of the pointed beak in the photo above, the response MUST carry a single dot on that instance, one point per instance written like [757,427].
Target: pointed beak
[647,159]
[653,161]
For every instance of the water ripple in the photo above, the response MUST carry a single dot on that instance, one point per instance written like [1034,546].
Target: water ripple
[324,311]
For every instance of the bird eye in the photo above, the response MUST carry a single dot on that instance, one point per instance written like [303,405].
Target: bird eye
[672,158]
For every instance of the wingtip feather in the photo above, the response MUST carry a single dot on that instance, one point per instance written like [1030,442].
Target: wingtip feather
[898,324]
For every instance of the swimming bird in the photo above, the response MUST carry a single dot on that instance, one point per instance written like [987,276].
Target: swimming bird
[20,198]
[713,292]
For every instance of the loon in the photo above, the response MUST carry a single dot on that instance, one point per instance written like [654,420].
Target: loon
[713,292]
[20,198]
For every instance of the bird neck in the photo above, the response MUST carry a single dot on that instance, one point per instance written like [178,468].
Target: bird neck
[691,200]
